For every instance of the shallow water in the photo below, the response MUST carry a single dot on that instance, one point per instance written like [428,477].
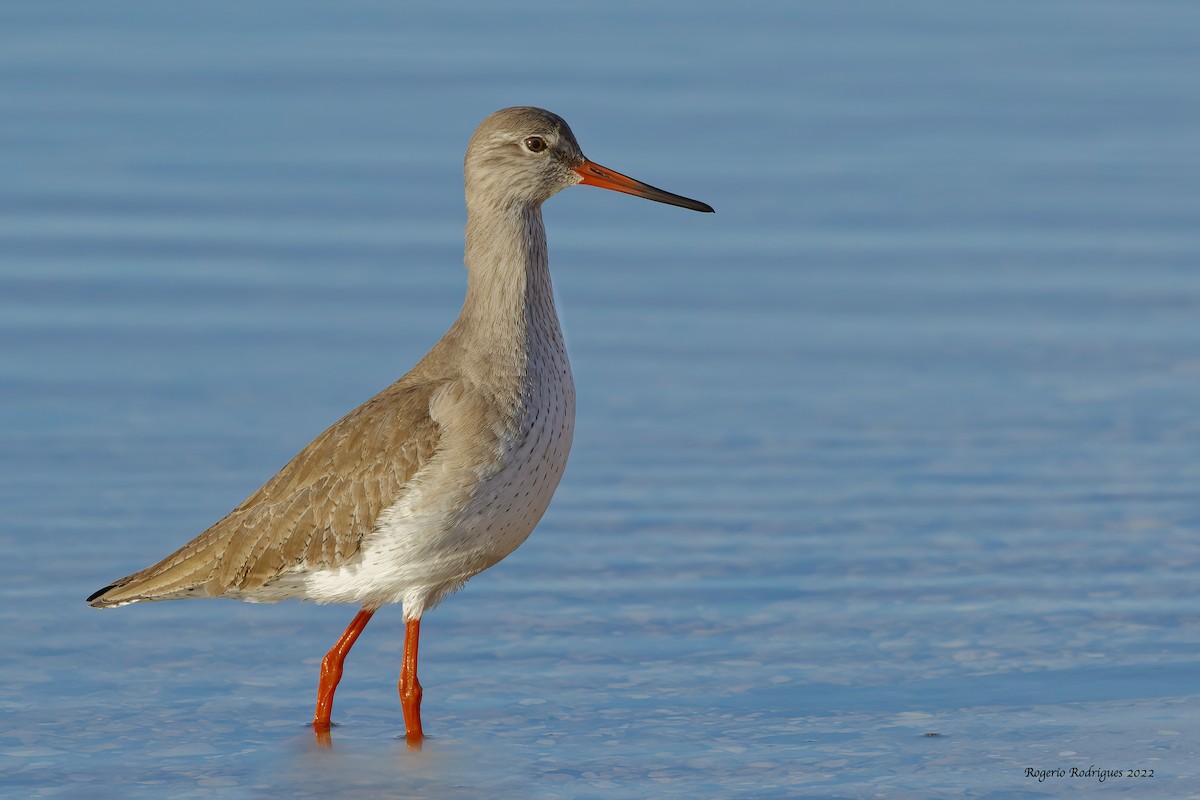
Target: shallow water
[902,441]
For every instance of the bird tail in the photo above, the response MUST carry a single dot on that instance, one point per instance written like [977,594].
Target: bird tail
[112,596]
[184,573]
[141,587]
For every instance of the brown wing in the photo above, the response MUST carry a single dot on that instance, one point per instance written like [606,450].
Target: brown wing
[313,514]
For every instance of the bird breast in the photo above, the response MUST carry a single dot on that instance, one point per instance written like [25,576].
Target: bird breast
[476,500]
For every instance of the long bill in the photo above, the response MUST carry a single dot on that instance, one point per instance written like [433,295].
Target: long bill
[595,175]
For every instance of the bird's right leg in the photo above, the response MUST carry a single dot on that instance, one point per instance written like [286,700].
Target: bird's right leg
[331,669]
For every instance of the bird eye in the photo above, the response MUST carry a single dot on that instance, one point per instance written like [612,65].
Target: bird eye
[535,144]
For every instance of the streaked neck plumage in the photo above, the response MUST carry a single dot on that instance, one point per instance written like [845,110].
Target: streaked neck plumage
[508,318]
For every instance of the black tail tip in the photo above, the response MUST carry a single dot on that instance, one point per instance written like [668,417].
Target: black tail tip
[97,595]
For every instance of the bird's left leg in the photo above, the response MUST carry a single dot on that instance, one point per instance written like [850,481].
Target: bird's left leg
[410,687]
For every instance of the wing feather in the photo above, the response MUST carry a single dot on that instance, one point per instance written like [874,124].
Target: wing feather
[313,514]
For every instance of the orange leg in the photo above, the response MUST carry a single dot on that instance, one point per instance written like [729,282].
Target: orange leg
[410,687]
[331,669]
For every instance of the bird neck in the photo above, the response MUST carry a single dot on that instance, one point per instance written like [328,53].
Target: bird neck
[509,312]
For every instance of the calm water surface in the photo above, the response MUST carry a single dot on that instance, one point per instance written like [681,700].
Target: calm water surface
[902,441]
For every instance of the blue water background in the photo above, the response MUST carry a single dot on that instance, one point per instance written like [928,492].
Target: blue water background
[904,440]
